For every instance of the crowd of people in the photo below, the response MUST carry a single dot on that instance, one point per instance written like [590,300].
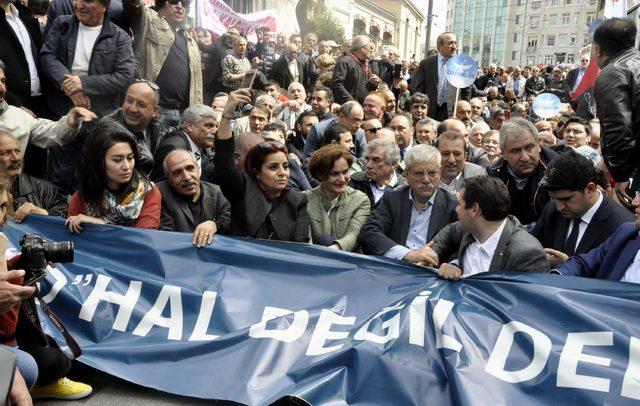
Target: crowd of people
[116,113]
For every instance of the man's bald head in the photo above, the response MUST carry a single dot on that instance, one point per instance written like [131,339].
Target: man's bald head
[453,124]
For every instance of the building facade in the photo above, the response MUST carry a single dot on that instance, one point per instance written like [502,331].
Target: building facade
[521,32]
[395,23]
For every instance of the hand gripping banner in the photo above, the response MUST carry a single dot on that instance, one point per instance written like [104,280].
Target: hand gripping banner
[252,321]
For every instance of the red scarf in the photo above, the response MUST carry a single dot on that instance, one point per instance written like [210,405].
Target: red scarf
[363,65]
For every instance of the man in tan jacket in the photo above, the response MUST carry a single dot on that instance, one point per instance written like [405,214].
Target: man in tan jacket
[166,54]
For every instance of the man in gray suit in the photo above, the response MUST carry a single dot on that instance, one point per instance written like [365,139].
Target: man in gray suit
[455,169]
[486,238]
[189,204]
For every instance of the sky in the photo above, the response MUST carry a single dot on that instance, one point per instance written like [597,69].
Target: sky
[440,20]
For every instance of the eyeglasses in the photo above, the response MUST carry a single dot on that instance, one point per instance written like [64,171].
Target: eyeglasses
[148,83]
[185,3]
[420,174]
[373,130]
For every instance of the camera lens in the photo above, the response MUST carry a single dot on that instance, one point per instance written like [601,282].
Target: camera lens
[61,252]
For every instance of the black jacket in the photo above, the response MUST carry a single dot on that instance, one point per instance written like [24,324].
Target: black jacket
[280,72]
[617,94]
[12,54]
[110,67]
[176,215]
[388,224]
[40,193]
[551,227]
[534,85]
[359,181]
[526,204]
[251,211]
[349,81]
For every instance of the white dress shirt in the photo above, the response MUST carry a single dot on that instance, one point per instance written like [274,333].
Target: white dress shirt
[632,274]
[477,257]
[18,27]
[379,192]
[586,219]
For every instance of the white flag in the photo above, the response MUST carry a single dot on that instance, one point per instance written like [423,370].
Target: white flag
[615,8]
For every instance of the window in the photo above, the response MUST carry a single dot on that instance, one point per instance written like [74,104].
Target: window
[567,2]
[520,2]
[535,5]
[576,18]
[591,15]
[531,60]
[554,2]
[551,40]
[532,41]
[534,22]
[518,19]
[514,55]
[565,18]
[570,58]
[563,40]
[553,19]
[548,59]
[572,39]
[516,37]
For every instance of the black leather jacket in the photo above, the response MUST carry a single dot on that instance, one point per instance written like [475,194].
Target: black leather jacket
[617,94]
[40,193]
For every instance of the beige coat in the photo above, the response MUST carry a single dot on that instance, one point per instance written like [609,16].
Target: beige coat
[153,37]
[40,132]
[345,221]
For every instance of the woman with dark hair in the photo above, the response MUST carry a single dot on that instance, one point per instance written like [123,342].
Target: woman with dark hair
[111,190]
[262,205]
[336,211]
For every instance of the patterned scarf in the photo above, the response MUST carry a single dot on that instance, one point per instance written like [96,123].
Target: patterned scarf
[126,207]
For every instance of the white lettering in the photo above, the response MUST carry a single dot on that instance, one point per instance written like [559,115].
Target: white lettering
[417,318]
[498,359]
[204,317]
[323,332]
[169,294]
[60,283]
[392,327]
[125,302]
[291,332]
[440,313]
[572,354]
[631,381]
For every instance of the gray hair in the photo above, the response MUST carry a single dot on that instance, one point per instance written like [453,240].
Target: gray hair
[165,169]
[262,97]
[428,121]
[359,41]
[493,65]
[482,125]
[391,150]
[517,127]
[194,115]
[2,66]
[347,107]
[421,153]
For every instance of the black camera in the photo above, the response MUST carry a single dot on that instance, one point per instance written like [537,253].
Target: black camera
[37,252]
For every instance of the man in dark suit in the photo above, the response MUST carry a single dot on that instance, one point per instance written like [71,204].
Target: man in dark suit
[571,83]
[20,43]
[580,217]
[430,79]
[351,75]
[406,219]
[486,238]
[290,67]
[190,205]
[197,128]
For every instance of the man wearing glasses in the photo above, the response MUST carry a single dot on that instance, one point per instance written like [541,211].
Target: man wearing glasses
[165,54]
[406,219]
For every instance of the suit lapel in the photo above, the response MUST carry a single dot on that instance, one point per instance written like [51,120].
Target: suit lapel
[406,209]
[208,204]
[437,219]
[591,233]
[499,255]
[184,206]
[467,238]
[625,259]
[559,238]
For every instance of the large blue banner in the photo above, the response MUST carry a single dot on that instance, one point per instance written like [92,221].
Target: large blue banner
[252,321]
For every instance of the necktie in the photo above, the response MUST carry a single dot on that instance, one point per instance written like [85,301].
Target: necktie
[516,86]
[572,240]
[442,83]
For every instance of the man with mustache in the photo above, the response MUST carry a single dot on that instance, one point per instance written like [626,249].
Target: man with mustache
[189,204]
[196,132]
[407,218]
[30,194]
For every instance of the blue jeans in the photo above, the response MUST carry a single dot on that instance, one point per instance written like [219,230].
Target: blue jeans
[26,365]
[169,117]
